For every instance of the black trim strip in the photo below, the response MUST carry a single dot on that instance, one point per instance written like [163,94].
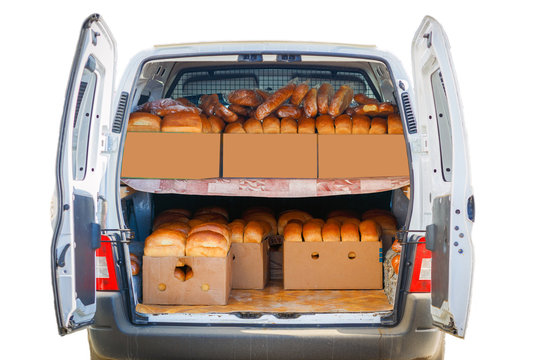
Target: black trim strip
[120,112]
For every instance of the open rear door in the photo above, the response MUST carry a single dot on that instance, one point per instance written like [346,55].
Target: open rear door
[79,169]
[449,235]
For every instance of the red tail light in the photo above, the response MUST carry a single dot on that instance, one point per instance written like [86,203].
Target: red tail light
[105,269]
[421,276]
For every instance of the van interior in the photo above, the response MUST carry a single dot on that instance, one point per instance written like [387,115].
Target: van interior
[143,199]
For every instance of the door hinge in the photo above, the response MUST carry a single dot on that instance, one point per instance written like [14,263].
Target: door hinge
[119,235]
[110,143]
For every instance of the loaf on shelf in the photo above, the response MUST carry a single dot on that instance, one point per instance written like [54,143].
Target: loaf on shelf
[348,113]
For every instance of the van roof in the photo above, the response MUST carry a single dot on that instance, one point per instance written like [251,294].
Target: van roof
[270,42]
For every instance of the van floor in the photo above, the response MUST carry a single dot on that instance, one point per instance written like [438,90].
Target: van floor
[274,299]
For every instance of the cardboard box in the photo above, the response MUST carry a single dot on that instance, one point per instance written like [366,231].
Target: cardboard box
[270,156]
[210,284]
[332,265]
[171,155]
[355,156]
[249,265]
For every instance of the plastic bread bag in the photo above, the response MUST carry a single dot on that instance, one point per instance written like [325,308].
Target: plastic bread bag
[244,97]
[163,107]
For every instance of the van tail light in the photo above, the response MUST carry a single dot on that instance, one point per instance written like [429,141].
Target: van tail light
[105,269]
[421,276]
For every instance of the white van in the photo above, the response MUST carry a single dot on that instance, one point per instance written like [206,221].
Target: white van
[98,223]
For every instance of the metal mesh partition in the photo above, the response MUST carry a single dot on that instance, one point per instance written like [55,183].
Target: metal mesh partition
[192,84]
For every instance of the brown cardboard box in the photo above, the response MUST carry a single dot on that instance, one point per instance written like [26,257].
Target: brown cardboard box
[171,155]
[270,156]
[354,156]
[249,265]
[210,284]
[332,265]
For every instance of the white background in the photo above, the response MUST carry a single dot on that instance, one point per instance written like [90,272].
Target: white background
[495,53]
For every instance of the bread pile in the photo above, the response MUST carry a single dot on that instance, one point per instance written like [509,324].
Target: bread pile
[208,232]
[340,225]
[256,224]
[295,108]
[176,234]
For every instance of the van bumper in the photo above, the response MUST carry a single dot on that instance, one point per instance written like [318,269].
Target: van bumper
[113,336]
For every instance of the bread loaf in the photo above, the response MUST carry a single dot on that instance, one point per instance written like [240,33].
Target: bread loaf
[239,110]
[206,126]
[362,99]
[234,128]
[221,229]
[175,225]
[216,123]
[385,109]
[312,231]
[343,124]
[254,232]
[253,126]
[370,109]
[194,222]
[141,121]
[394,124]
[325,124]
[310,103]
[340,101]
[288,126]
[263,217]
[360,124]
[245,97]
[324,96]
[331,231]
[164,107]
[224,113]
[237,231]
[271,125]
[299,93]
[164,242]
[135,264]
[293,231]
[395,263]
[207,243]
[306,125]
[207,103]
[344,219]
[369,230]
[289,215]
[168,217]
[212,210]
[179,274]
[186,122]
[288,110]
[349,231]
[378,126]
[274,101]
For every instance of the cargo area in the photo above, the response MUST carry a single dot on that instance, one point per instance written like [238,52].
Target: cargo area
[140,207]
[314,173]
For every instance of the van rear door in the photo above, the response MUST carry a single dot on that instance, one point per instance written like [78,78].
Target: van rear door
[452,203]
[79,170]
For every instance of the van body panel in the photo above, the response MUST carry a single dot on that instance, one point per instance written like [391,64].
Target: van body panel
[447,177]
[81,166]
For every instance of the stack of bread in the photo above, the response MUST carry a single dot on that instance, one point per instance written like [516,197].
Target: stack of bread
[256,224]
[295,108]
[176,234]
[341,225]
